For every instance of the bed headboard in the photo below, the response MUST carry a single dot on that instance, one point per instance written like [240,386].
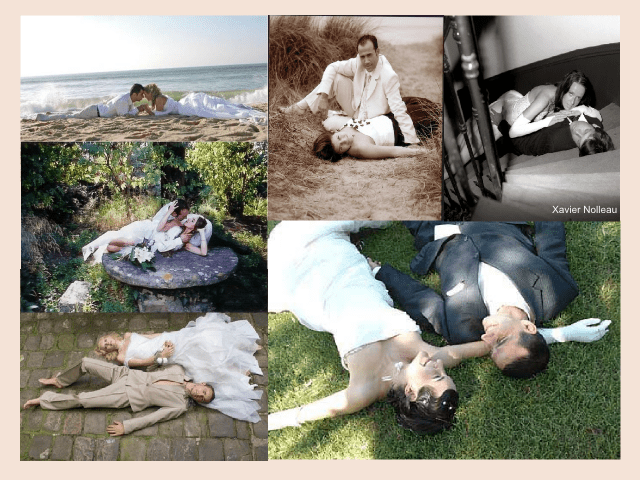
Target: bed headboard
[601,64]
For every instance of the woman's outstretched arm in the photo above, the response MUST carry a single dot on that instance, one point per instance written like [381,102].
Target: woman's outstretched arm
[346,401]
[165,217]
[452,355]
[379,151]
[523,125]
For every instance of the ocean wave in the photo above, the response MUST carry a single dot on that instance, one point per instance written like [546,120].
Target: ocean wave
[51,100]
[260,95]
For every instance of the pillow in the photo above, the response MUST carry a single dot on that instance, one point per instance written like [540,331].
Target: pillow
[610,117]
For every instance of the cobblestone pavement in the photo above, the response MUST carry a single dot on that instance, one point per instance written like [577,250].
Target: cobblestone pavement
[51,342]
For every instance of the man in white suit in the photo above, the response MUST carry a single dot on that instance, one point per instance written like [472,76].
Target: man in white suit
[365,87]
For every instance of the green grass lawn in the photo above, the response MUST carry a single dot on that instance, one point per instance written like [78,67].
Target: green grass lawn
[570,411]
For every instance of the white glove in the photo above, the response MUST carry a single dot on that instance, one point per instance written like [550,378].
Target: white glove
[286,418]
[587,330]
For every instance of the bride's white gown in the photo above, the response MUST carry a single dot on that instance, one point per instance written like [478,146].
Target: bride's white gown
[215,350]
[145,229]
[203,105]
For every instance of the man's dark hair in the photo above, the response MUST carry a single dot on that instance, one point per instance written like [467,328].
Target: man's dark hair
[534,362]
[598,143]
[368,38]
[137,88]
[181,205]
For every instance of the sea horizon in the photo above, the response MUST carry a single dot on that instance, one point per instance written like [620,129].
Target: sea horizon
[239,83]
[136,70]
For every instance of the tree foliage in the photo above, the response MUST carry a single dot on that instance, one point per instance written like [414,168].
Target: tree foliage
[236,171]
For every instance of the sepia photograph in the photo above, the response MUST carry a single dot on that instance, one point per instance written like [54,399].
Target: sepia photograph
[355,117]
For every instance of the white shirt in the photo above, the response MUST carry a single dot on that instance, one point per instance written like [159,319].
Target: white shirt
[117,106]
[496,288]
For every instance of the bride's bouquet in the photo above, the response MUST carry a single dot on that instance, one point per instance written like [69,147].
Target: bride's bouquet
[141,256]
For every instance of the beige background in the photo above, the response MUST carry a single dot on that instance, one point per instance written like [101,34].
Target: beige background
[9,131]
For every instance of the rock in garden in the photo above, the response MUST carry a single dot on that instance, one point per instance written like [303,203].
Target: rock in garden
[75,297]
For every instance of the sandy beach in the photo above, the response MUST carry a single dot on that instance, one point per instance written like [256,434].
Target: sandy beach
[170,128]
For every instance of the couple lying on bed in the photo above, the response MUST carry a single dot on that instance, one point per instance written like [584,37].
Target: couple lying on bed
[549,118]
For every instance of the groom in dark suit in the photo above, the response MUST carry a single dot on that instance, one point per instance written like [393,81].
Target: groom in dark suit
[498,285]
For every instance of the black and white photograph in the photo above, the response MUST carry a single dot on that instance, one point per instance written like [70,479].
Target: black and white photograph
[532,118]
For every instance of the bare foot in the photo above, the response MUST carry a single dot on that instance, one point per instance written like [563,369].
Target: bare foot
[50,381]
[295,108]
[32,403]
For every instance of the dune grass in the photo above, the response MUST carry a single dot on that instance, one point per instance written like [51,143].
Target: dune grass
[570,411]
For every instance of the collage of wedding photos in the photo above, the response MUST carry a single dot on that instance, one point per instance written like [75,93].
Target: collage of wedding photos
[329,237]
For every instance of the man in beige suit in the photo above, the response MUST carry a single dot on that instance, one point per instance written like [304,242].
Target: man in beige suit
[168,388]
[365,87]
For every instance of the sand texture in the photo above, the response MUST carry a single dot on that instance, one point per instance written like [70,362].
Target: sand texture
[170,128]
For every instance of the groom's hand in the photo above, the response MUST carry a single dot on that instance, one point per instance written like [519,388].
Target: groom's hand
[116,429]
[323,105]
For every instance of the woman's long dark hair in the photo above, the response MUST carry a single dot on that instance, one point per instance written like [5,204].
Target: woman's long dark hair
[200,223]
[428,413]
[575,76]
[323,149]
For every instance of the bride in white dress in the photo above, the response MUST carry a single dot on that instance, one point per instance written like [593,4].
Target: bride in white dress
[165,232]
[211,349]
[201,105]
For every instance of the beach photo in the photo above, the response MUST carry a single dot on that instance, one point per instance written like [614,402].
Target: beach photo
[532,129]
[150,78]
[355,117]
[143,227]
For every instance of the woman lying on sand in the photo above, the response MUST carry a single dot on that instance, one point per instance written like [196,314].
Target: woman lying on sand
[376,137]
[167,235]
[200,105]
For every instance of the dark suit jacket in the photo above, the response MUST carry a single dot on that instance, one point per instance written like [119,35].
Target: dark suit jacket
[539,270]
[555,138]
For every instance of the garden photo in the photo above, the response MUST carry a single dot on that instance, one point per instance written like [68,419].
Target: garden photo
[143,227]
[352,377]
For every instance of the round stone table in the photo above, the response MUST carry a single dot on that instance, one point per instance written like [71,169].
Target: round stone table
[182,270]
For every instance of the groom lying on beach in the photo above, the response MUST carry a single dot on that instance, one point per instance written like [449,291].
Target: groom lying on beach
[117,106]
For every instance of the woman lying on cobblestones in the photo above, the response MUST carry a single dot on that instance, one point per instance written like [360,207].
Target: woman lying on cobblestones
[212,349]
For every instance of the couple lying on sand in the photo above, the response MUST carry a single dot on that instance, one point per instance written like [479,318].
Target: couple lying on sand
[376,121]
[194,104]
